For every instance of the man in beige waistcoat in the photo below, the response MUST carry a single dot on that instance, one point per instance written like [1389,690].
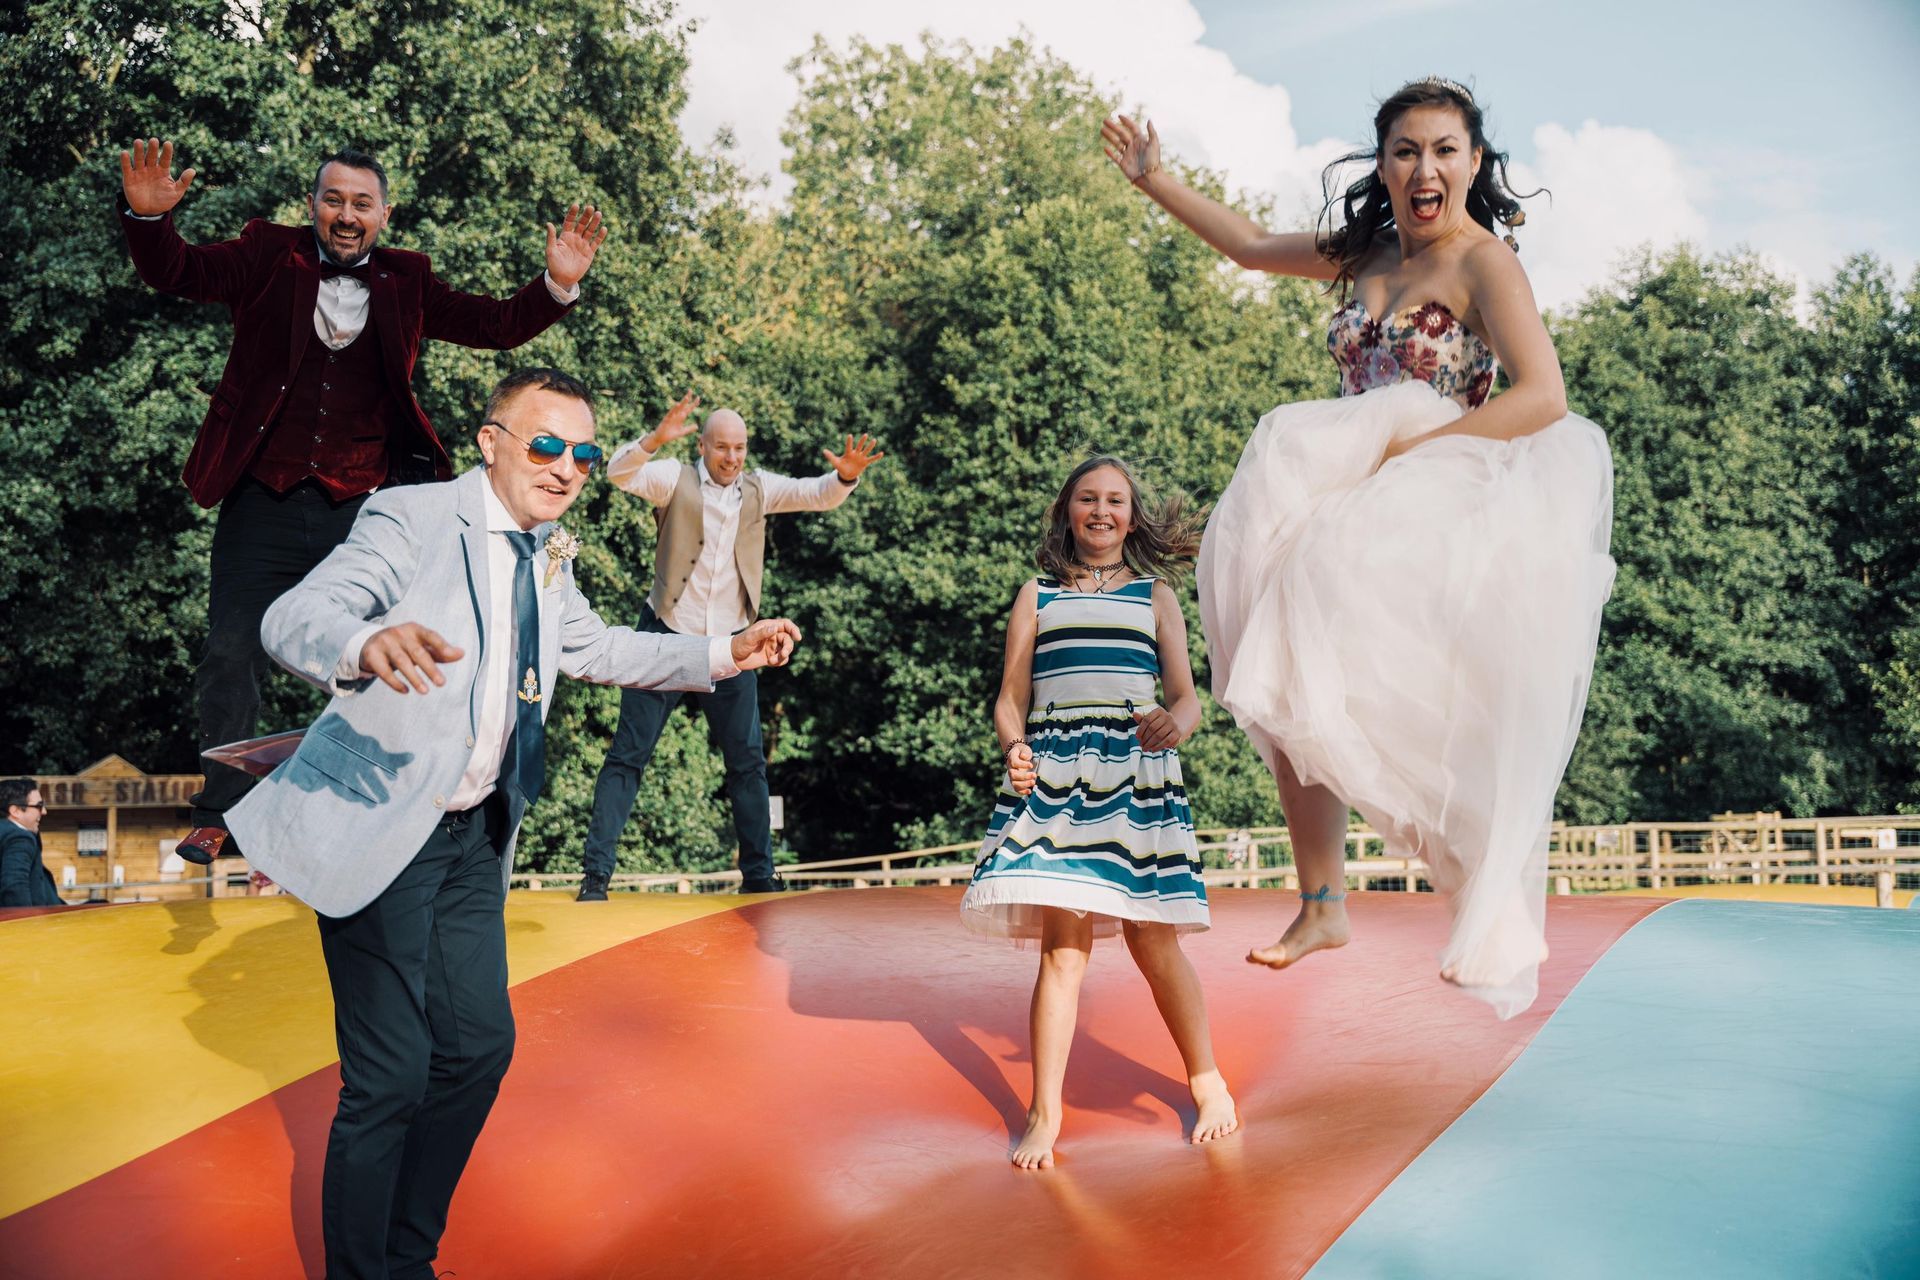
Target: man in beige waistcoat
[712,518]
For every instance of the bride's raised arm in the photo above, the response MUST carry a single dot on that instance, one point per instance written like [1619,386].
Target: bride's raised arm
[1136,152]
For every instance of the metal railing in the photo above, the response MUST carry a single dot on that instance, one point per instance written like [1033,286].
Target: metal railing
[229,878]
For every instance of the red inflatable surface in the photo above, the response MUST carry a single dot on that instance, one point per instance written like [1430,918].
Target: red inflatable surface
[828,1084]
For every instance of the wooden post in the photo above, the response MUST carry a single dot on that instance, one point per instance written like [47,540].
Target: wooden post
[683,885]
[1883,888]
[1820,852]
[113,846]
[1653,858]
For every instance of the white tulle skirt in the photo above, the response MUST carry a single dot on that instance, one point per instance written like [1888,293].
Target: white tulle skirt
[1418,637]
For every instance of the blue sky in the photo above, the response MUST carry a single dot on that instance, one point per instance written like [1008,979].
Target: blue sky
[1773,126]
[1786,113]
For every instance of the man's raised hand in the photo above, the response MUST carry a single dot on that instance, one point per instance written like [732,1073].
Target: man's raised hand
[767,643]
[570,250]
[674,426]
[858,455]
[407,654]
[146,178]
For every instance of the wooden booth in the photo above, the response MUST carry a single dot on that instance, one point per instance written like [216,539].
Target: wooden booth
[110,831]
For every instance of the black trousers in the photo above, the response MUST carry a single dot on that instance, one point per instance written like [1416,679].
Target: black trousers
[733,726]
[419,981]
[263,544]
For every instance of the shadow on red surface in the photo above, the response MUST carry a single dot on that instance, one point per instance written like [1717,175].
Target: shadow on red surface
[828,1084]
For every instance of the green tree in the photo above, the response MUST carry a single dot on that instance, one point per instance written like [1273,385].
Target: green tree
[957,272]
[491,117]
[985,295]
[1867,338]
[1719,680]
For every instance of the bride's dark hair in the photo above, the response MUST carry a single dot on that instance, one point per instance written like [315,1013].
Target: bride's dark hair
[1367,210]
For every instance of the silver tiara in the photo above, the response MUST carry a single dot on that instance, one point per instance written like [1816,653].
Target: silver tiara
[1451,86]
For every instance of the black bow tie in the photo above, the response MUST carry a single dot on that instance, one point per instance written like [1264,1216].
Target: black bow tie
[361,271]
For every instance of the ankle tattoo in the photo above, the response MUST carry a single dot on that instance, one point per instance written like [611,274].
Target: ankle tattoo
[1324,893]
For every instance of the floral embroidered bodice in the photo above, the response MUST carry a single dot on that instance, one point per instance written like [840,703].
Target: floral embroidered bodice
[1425,342]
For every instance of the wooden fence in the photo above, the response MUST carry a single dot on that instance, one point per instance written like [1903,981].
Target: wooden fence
[1757,848]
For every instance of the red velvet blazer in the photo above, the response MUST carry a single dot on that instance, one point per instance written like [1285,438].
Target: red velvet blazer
[269,279]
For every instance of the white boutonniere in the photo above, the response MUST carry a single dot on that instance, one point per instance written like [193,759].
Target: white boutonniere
[561,547]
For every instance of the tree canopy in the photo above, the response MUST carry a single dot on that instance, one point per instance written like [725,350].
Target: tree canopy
[957,271]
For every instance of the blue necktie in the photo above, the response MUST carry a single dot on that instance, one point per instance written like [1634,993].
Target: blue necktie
[524,767]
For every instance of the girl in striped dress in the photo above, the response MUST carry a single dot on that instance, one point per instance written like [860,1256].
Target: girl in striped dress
[1091,834]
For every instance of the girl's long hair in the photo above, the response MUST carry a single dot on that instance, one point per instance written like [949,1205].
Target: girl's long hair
[1367,210]
[1162,543]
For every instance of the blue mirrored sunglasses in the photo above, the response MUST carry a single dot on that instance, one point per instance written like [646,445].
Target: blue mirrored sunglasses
[546,448]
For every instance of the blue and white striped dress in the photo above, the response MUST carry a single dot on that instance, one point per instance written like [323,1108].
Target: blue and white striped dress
[1106,830]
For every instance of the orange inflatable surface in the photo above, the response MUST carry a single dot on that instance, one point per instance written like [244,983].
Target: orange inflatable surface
[828,1084]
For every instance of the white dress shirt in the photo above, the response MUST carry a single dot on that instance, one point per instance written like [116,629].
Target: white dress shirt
[340,308]
[494,724]
[714,602]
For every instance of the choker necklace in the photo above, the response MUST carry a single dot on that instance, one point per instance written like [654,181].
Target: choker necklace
[1100,571]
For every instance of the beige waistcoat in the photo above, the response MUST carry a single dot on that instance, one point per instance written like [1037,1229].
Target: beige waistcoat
[682,525]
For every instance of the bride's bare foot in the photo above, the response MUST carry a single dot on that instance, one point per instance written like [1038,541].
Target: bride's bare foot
[1218,1117]
[1494,970]
[1321,924]
[1036,1144]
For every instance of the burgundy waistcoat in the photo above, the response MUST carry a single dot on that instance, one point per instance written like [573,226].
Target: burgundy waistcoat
[334,422]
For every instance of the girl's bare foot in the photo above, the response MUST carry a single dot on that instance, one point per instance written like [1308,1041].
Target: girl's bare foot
[1036,1144]
[1320,924]
[1218,1117]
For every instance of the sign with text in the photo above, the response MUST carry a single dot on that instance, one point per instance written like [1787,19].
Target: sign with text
[153,791]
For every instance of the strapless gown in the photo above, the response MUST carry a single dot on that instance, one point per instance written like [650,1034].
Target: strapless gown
[1419,636]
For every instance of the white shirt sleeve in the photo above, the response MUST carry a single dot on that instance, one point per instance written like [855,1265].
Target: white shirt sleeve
[561,296]
[638,472]
[815,493]
[347,669]
[720,658]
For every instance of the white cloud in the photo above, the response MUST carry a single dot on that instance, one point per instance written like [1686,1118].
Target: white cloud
[1148,51]
[1614,188]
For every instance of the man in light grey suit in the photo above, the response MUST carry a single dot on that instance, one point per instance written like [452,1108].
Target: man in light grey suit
[396,818]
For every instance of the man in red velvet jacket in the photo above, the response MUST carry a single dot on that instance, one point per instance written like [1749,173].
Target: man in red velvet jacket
[316,407]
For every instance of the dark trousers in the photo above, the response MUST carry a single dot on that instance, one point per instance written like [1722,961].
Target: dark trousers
[733,726]
[419,981]
[263,544]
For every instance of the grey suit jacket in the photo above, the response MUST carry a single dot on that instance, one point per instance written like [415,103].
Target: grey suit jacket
[336,822]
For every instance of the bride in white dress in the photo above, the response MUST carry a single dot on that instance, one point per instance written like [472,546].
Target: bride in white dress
[1401,588]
